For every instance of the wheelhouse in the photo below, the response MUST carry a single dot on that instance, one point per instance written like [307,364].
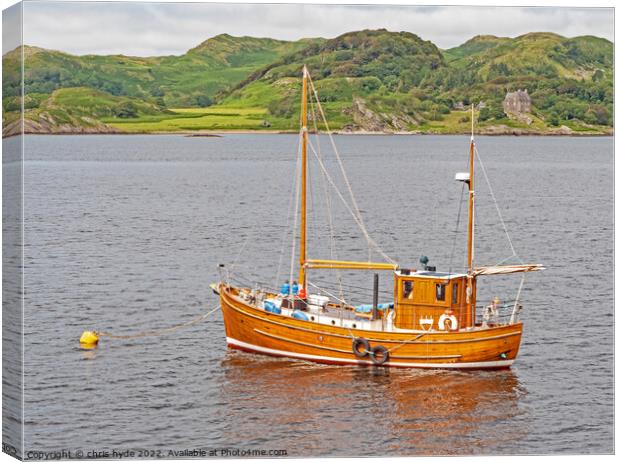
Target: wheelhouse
[423,298]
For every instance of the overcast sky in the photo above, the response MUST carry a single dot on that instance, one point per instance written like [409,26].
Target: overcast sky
[149,29]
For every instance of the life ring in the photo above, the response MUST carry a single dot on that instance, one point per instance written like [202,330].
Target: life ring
[361,347]
[453,322]
[379,354]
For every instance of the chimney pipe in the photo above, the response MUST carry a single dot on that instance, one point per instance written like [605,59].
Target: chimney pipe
[375,296]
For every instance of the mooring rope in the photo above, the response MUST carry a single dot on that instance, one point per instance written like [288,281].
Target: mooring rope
[404,342]
[157,332]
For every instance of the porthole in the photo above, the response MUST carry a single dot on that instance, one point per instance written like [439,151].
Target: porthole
[333,322]
[354,326]
[311,318]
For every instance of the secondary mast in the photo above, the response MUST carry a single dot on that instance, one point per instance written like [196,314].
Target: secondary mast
[304,174]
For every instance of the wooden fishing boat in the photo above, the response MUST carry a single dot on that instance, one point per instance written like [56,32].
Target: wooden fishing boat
[432,322]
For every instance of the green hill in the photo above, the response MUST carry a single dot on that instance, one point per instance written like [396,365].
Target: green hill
[351,72]
[192,79]
[569,80]
[474,46]
[77,110]
[540,54]
[379,80]
[371,80]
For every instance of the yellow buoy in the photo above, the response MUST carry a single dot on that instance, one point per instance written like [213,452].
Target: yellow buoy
[89,338]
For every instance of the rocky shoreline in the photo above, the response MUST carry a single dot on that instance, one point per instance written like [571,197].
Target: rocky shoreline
[34,128]
[46,125]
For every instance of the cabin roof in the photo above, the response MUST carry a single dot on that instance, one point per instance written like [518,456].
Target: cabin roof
[432,274]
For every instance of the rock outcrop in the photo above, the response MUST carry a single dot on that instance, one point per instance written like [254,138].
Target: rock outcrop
[41,122]
[367,120]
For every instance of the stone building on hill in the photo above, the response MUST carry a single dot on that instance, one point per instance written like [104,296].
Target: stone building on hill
[517,102]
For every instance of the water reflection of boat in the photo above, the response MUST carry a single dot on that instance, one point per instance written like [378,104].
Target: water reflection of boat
[403,411]
[430,323]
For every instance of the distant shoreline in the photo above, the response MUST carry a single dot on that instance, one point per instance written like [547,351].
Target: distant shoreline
[223,133]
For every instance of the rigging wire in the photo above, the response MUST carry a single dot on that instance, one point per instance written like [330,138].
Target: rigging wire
[297,192]
[320,289]
[456,229]
[499,213]
[232,266]
[357,288]
[357,213]
[347,206]
[328,202]
[516,305]
[505,228]
[314,235]
[288,217]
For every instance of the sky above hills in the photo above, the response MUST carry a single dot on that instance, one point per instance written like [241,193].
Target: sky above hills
[152,29]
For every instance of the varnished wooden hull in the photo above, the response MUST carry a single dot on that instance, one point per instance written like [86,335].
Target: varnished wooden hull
[254,330]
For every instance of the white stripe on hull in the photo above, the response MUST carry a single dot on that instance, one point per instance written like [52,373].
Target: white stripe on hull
[470,365]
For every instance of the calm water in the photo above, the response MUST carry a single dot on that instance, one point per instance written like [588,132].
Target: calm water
[124,233]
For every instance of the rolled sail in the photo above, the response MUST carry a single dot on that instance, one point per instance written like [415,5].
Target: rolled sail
[506,269]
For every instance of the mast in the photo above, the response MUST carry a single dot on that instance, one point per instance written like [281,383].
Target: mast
[304,174]
[470,224]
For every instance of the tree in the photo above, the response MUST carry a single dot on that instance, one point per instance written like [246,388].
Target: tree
[554,119]
[126,110]
[112,87]
[203,101]
[485,114]
[281,108]
[598,75]
[157,92]
[498,70]
[597,115]
[491,112]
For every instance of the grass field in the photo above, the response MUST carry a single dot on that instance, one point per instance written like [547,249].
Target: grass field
[225,118]
[217,118]
[194,119]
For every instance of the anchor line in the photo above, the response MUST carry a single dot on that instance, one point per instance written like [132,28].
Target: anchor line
[157,332]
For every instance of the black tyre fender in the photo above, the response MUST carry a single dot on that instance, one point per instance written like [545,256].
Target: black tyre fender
[379,354]
[360,347]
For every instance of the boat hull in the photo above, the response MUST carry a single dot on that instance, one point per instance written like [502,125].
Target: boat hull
[254,330]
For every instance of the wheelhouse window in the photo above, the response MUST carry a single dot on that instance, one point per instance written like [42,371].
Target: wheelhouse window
[455,292]
[440,292]
[408,289]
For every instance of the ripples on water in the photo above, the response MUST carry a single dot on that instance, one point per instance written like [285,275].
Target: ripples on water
[124,234]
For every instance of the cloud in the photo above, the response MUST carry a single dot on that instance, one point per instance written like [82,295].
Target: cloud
[11,28]
[149,29]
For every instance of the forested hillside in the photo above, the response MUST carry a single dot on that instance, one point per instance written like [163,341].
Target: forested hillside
[371,80]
